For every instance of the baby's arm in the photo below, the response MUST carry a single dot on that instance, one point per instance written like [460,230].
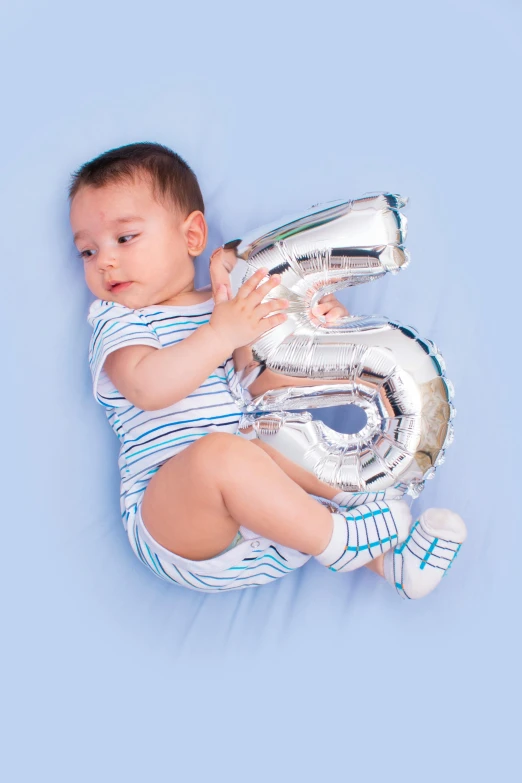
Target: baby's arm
[152,378]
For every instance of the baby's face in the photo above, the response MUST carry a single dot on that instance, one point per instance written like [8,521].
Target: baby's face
[135,251]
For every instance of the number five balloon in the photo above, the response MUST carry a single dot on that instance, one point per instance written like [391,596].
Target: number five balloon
[396,377]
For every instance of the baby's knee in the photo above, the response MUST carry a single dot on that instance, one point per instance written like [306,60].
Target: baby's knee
[217,445]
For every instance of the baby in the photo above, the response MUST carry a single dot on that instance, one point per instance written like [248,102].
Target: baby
[225,511]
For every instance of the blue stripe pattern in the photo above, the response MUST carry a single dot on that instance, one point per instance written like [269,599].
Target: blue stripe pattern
[254,563]
[150,438]
[438,553]
[378,531]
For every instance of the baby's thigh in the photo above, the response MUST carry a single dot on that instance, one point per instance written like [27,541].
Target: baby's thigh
[183,507]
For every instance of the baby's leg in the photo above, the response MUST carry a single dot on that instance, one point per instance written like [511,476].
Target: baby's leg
[196,501]
[315,486]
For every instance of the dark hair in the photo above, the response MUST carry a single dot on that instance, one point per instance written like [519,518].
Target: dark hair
[172,179]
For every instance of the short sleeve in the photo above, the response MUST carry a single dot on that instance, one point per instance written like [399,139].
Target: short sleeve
[114,326]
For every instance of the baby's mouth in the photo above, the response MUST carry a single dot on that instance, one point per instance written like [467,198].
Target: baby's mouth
[116,287]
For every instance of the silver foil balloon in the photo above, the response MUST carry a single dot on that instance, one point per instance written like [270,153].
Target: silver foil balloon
[396,377]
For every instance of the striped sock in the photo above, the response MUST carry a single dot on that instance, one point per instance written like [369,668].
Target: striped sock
[364,533]
[416,566]
[352,499]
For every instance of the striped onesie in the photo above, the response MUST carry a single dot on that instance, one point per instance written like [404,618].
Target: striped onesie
[149,438]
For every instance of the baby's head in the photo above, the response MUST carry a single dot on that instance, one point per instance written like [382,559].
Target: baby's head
[137,216]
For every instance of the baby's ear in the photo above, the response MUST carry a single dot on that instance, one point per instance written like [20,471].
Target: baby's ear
[196,232]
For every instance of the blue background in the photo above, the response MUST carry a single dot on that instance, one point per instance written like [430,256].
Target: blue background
[109,674]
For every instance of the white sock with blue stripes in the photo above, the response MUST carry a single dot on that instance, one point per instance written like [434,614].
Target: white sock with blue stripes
[364,533]
[416,566]
[352,499]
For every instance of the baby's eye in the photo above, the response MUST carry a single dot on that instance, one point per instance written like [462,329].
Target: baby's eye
[87,253]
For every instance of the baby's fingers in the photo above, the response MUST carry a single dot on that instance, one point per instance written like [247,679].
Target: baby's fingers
[252,283]
[271,305]
[221,294]
[331,308]
[335,313]
[273,320]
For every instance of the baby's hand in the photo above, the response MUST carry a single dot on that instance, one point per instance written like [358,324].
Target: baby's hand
[330,307]
[221,263]
[243,319]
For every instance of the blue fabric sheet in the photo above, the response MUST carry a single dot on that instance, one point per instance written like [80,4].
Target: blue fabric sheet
[109,674]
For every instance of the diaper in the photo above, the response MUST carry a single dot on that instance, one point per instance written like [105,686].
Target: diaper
[249,561]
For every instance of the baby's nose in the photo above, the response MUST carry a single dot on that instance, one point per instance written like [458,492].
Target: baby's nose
[105,260]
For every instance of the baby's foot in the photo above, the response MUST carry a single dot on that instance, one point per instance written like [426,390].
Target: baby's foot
[416,566]
[364,533]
